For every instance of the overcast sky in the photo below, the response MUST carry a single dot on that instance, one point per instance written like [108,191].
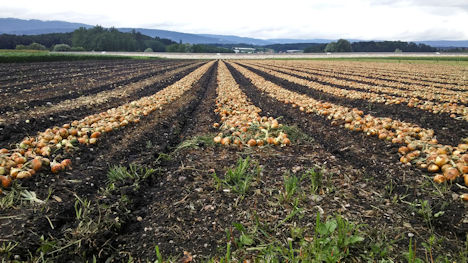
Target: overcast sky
[301,19]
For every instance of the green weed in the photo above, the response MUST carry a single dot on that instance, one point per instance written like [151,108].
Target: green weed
[240,178]
[133,173]
[195,143]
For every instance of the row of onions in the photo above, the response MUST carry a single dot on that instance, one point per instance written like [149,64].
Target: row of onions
[43,151]
[102,97]
[419,146]
[455,110]
[385,86]
[242,124]
[446,76]
[78,82]
[399,78]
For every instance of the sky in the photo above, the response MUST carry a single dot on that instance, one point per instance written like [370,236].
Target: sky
[300,19]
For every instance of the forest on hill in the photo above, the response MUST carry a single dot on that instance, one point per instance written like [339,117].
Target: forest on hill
[102,39]
[111,39]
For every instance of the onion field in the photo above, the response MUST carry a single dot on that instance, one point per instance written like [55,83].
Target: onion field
[233,161]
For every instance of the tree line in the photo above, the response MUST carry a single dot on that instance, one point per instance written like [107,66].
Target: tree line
[101,39]
[110,39]
[343,45]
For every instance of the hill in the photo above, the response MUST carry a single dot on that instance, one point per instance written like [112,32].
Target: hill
[35,27]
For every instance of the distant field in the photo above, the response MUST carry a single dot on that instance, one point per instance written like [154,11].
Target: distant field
[15,56]
[12,56]
[449,60]
[431,58]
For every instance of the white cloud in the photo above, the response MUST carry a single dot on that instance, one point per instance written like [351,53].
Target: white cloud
[367,19]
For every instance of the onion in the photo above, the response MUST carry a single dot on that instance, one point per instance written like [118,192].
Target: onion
[66,163]
[36,164]
[433,168]
[96,135]
[438,178]
[56,167]
[403,150]
[440,160]
[252,142]
[217,139]
[6,181]
[464,197]
[23,175]
[451,173]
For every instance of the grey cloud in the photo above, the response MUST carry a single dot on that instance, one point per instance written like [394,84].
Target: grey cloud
[433,33]
[457,4]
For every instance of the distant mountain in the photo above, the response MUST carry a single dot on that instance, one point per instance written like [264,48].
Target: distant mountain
[229,39]
[173,35]
[445,43]
[291,40]
[35,27]
[16,26]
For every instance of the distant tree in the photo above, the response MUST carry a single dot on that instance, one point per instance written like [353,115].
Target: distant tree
[32,46]
[77,49]
[61,47]
[21,47]
[37,46]
[181,48]
[390,46]
[97,38]
[199,48]
[148,50]
[315,48]
[156,45]
[331,47]
[343,45]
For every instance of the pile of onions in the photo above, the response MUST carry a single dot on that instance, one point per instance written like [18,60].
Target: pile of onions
[35,153]
[242,124]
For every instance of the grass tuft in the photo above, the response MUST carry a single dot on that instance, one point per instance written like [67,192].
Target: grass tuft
[134,173]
